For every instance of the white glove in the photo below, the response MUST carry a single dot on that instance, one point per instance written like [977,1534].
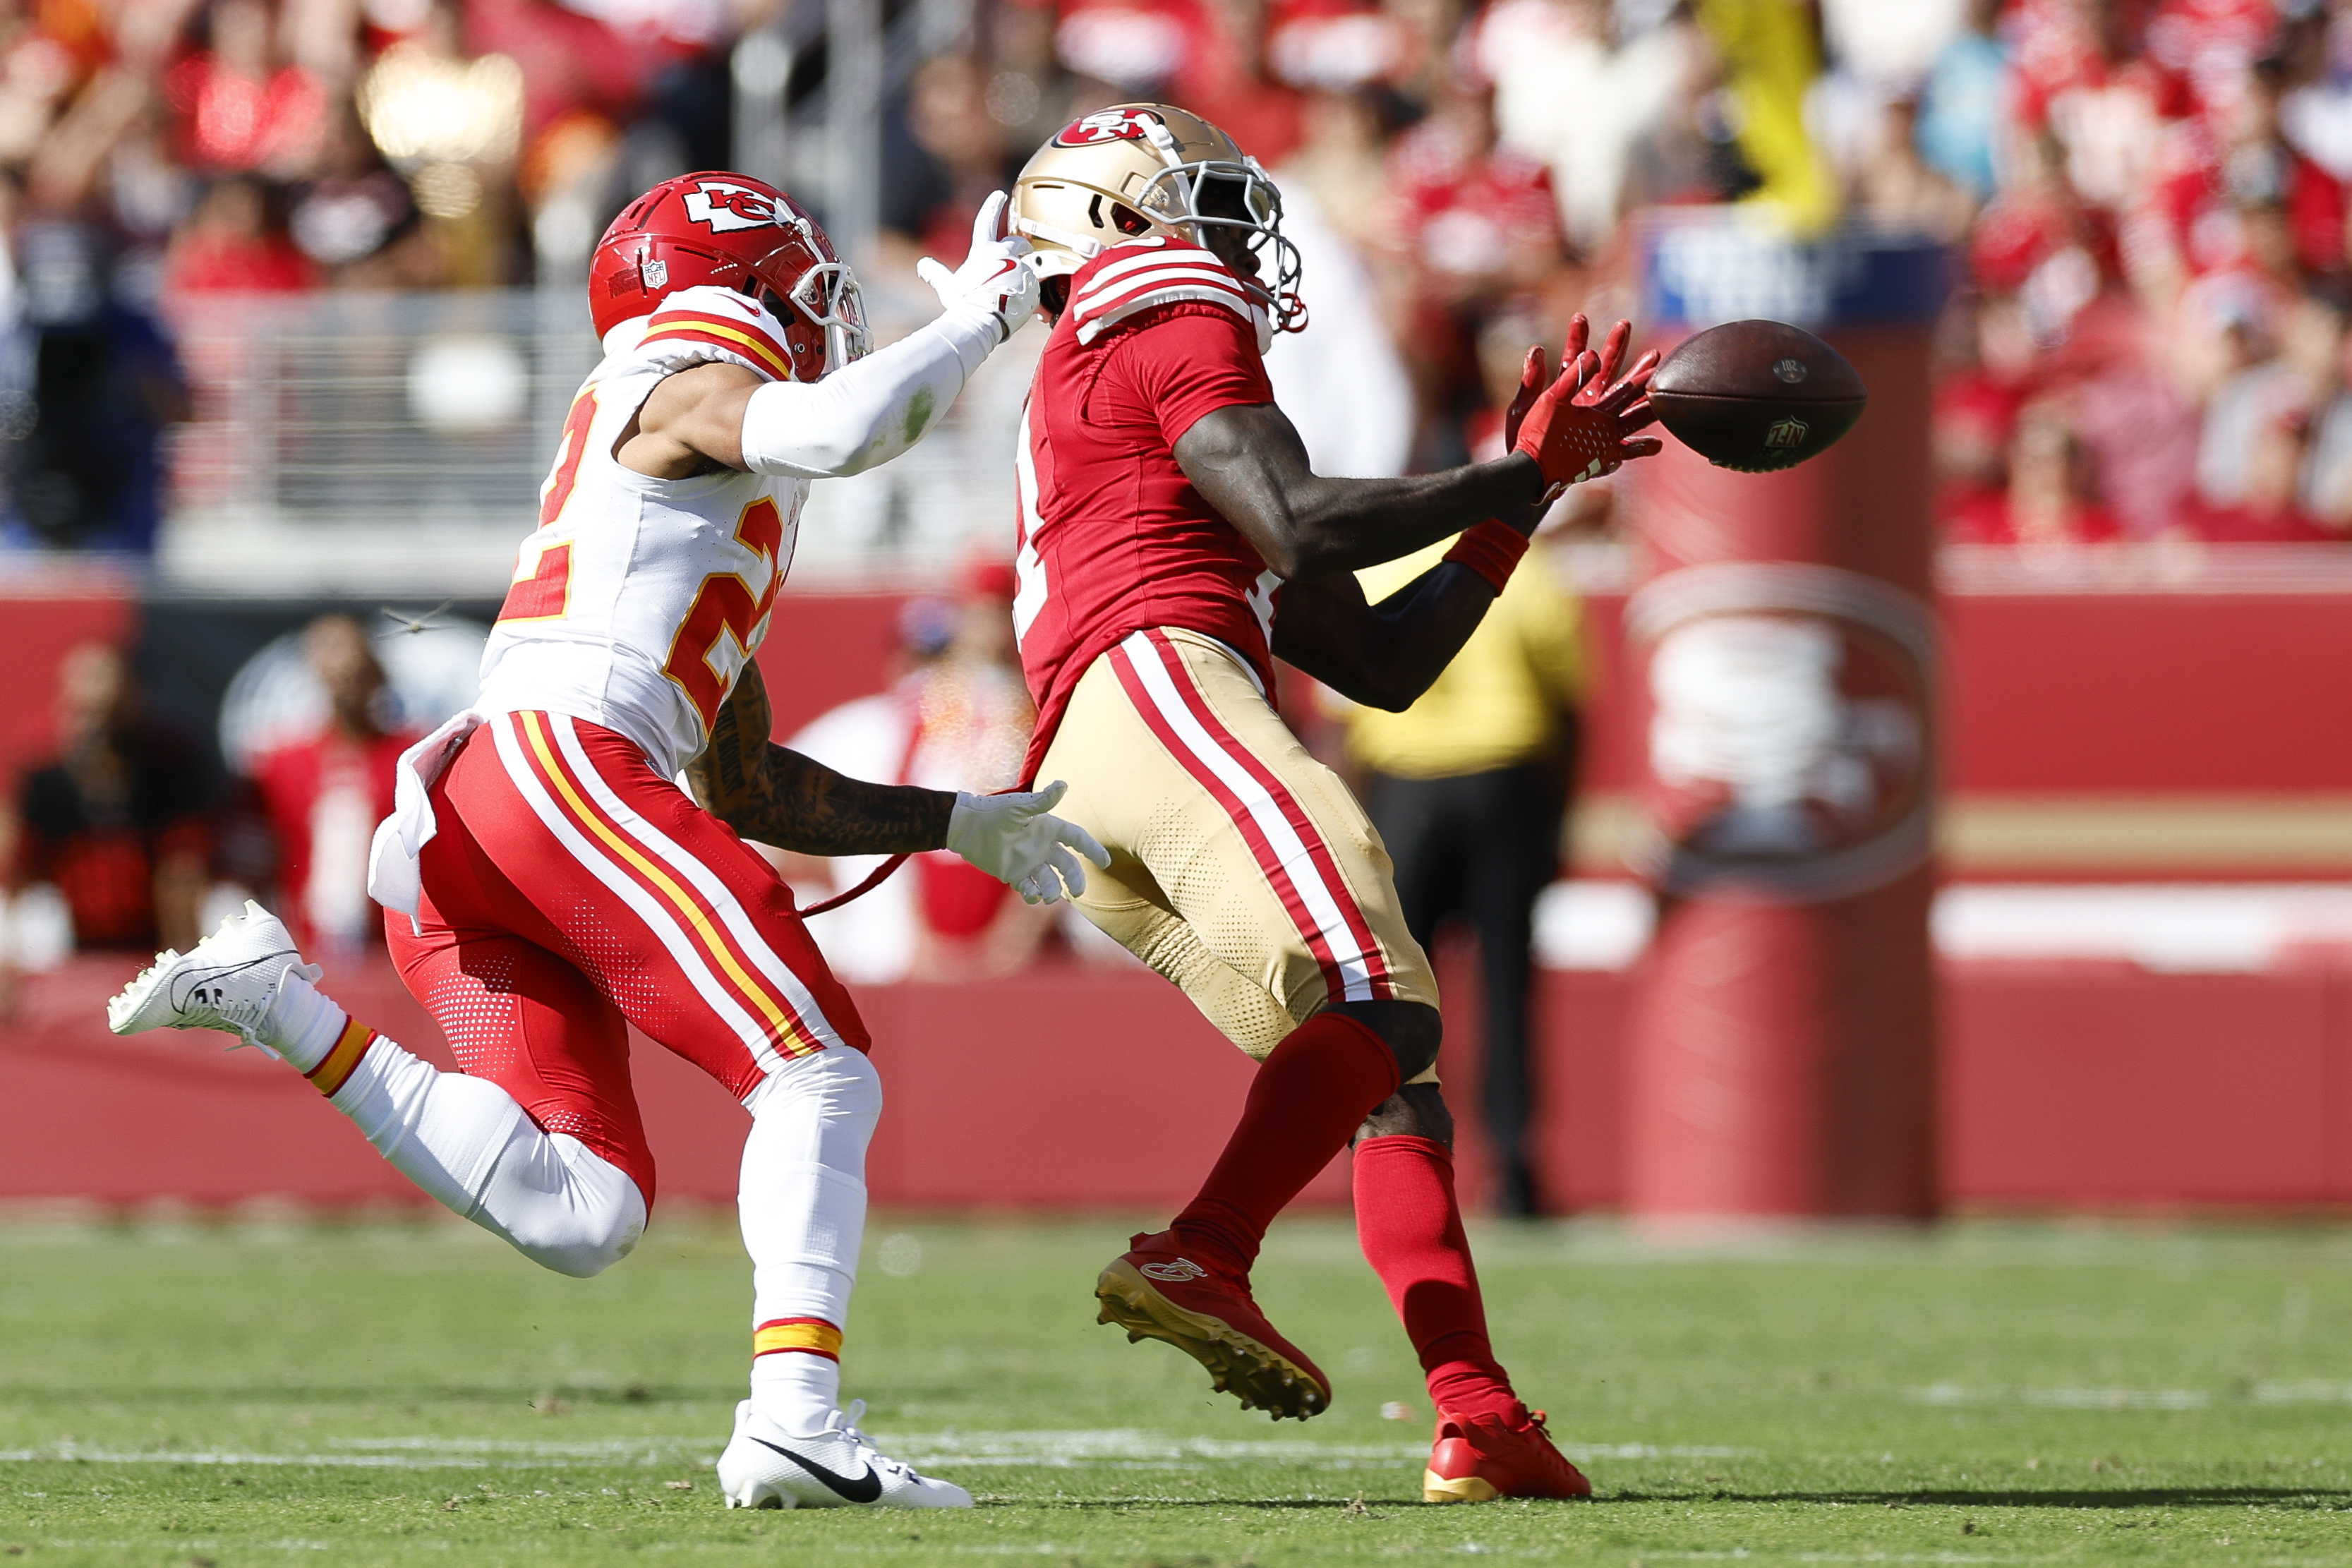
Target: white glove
[1015,839]
[993,279]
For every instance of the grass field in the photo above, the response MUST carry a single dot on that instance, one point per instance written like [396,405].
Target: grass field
[263,1393]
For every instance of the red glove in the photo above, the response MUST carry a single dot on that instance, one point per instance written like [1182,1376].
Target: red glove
[1582,424]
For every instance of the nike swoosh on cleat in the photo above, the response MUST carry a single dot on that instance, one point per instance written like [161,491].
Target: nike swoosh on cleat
[182,985]
[865,1489]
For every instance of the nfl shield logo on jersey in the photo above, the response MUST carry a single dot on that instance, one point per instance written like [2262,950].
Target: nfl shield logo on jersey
[726,207]
[1108,125]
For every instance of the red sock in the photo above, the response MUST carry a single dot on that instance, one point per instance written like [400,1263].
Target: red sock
[1411,1227]
[1311,1093]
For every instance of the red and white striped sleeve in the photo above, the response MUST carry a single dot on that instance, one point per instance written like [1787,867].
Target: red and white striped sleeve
[1132,279]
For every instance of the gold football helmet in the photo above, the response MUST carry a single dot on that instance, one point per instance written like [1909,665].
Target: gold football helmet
[1148,168]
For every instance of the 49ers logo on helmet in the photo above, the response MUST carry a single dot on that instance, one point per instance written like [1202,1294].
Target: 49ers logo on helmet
[727,209]
[1108,125]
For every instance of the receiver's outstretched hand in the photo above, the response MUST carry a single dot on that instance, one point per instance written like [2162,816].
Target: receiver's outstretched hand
[1582,424]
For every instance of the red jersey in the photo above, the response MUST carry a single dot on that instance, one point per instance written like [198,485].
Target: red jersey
[1114,538]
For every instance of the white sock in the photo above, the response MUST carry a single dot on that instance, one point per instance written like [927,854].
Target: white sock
[469,1146]
[303,1024]
[797,1390]
[802,1206]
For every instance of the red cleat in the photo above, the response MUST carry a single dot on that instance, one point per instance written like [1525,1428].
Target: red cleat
[1154,1292]
[1484,1457]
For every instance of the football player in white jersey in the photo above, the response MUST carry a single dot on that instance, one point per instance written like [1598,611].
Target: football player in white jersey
[547,881]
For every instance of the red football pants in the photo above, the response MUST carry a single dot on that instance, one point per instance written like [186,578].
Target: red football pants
[571,891]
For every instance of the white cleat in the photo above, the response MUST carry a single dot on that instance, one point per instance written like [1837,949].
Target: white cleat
[766,1467]
[228,980]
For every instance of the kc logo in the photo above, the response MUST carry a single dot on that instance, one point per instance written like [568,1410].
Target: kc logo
[729,208]
[1108,125]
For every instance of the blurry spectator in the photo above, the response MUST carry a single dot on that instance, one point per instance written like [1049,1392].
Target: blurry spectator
[116,823]
[1897,190]
[2266,509]
[1769,59]
[1567,96]
[96,382]
[1340,379]
[1028,95]
[2262,390]
[241,110]
[1960,103]
[451,121]
[942,161]
[324,796]
[1225,81]
[1128,47]
[959,719]
[357,220]
[2325,493]
[235,242]
[2109,111]
[1469,789]
[2050,499]
[2137,423]
[1471,223]
[1974,410]
[1340,165]
[1692,152]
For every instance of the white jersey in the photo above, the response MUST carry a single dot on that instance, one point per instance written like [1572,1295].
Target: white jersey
[639,600]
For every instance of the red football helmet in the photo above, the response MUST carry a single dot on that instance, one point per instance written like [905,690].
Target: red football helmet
[738,233]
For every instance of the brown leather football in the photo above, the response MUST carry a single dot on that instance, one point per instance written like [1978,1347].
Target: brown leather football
[1757,395]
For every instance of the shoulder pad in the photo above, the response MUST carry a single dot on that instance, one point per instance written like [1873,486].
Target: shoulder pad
[705,325]
[1128,279]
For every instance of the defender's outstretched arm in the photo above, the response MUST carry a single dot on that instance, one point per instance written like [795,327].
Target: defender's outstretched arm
[777,796]
[1250,464]
[858,416]
[774,796]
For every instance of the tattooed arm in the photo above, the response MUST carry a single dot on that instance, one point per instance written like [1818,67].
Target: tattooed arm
[776,797]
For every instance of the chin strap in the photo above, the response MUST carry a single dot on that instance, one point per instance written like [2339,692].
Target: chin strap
[881,873]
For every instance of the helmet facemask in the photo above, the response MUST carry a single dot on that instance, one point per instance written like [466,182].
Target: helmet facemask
[823,294]
[1219,193]
[827,295]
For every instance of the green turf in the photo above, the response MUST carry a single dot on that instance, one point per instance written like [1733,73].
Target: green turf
[277,1392]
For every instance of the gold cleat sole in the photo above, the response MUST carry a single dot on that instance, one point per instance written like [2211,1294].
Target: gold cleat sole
[1259,1376]
[1436,1487]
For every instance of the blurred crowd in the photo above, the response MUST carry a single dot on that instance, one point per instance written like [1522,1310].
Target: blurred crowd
[2147,198]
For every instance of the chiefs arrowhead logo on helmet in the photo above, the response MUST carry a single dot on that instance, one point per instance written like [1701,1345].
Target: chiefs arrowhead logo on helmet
[1108,125]
[728,208]
[716,228]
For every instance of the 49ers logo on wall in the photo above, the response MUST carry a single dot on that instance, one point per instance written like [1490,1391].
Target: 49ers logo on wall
[1108,125]
[728,208]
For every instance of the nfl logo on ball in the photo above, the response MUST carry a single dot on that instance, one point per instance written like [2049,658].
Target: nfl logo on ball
[1783,433]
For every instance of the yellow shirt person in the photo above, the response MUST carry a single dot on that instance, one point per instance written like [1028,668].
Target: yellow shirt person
[1502,699]
[1468,788]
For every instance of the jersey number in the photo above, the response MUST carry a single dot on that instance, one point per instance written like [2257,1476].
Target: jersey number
[725,604]
[574,447]
[546,593]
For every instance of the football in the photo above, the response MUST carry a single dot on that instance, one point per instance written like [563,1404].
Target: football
[1757,395]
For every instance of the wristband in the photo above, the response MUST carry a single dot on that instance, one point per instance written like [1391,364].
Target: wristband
[1491,549]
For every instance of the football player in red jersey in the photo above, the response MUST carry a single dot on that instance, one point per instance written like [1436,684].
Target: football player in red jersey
[1174,542]
[546,881]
